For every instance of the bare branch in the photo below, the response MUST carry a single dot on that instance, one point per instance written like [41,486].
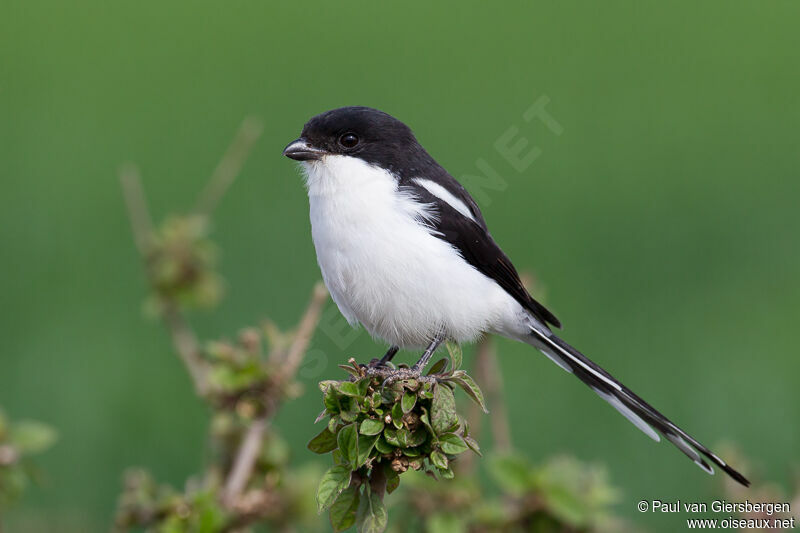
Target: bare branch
[245,460]
[490,379]
[489,374]
[188,347]
[135,201]
[302,336]
[251,444]
[183,338]
[229,166]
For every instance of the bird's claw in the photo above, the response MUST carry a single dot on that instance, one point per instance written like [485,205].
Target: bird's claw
[393,375]
[374,363]
[402,374]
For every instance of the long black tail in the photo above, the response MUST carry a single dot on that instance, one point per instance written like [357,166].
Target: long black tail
[638,411]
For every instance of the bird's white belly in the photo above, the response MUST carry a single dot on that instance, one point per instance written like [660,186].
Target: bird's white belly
[385,269]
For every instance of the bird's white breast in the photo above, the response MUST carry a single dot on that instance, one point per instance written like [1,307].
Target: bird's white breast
[384,267]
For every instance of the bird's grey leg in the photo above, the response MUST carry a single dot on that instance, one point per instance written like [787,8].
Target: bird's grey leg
[419,366]
[377,363]
[415,372]
[389,354]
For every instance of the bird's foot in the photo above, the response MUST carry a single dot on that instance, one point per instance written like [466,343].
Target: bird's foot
[393,375]
[382,362]
[374,363]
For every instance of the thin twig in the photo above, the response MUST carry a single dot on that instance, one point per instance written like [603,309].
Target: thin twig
[466,462]
[302,336]
[188,347]
[135,201]
[183,338]
[489,374]
[245,460]
[250,447]
[229,166]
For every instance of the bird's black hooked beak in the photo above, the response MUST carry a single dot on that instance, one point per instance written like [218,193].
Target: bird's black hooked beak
[301,150]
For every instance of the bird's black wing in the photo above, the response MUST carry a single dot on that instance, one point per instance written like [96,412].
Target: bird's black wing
[471,238]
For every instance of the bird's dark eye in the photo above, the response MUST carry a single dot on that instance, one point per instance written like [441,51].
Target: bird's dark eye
[348,140]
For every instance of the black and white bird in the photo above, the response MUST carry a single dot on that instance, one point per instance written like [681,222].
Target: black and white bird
[405,251]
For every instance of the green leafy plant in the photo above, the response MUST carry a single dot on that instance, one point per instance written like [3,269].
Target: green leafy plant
[248,479]
[19,442]
[561,495]
[376,431]
[181,264]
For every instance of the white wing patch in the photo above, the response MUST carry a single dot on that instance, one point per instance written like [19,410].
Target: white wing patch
[446,196]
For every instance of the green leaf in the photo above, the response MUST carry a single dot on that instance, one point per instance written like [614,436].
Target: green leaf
[397,416]
[473,445]
[371,516]
[456,356]
[452,444]
[331,400]
[323,443]
[403,436]
[333,483]
[343,511]
[408,401]
[348,416]
[445,523]
[418,437]
[511,473]
[426,420]
[332,423]
[392,479]
[31,437]
[377,399]
[471,388]
[567,506]
[391,437]
[365,445]
[371,427]
[437,367]
[416,463]
[443,409]
[327,384]
[363,386]
[208,516]
[347,440]
[348,388]
[350,409]
[383,447]
[439,459]
[350,370]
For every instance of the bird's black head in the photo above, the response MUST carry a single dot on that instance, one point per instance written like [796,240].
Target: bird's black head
[369,134]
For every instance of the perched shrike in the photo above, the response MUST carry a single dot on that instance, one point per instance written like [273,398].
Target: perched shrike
[405,251]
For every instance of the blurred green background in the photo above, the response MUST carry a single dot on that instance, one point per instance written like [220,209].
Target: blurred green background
[663,223]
